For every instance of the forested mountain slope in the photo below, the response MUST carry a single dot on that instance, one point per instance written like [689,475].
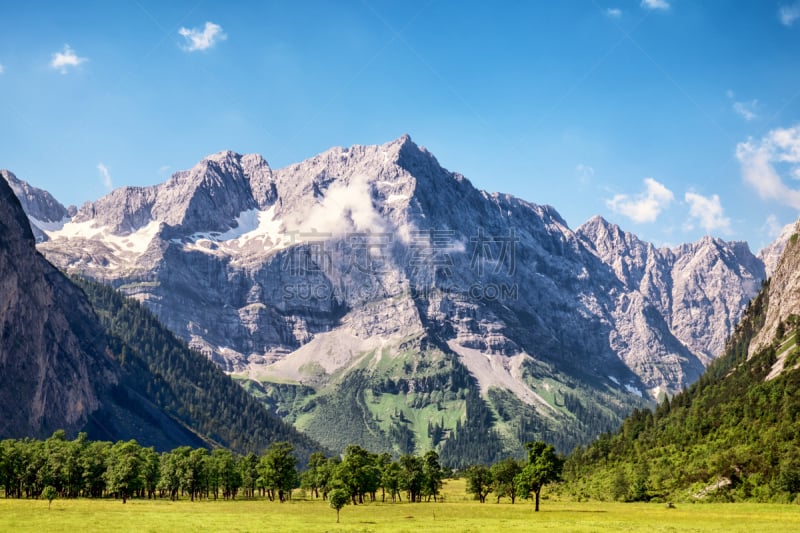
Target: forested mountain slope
[734,434]
[106,366]
[184,383]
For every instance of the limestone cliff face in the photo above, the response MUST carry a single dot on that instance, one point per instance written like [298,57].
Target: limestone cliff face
[784,293]
[770,255]
[681,303]
[251,265]
[52,360]
[64,365]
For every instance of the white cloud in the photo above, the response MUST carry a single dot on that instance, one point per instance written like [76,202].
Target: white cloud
[613,12]
[105,175]
[585,173]
[762,160]
[345,207]
[788,15]
[708,212]
[196,39]
[655,4]
[67,58]
[2,69]
[746,110]
[643,207]
[772,227]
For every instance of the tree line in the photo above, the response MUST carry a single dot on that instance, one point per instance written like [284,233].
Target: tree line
[84,468]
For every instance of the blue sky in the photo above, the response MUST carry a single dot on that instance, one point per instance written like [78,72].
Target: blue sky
[672,118]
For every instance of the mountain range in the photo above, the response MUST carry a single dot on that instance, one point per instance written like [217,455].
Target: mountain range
[369,295]
[733,434]
[84,358]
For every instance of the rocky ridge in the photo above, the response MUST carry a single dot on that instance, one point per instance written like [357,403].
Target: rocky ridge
[783,295]
[84,358]
[301,273]
[44,212]
[56,368]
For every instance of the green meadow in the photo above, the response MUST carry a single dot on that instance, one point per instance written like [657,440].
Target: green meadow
[456,514]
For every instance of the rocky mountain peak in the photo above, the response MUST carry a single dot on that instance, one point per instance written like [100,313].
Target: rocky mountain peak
[209,197]
[784,293]
[14,225]
[770,255]
[494,281]
[419,162]
[228,157]
[44,212]
[607,236]
[37,203]
[627,255]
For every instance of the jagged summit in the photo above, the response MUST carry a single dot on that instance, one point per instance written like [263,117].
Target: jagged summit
[783,294]
[602,232]
[771,254]
[14,224]
[376,261]
[224,156]
[44,212]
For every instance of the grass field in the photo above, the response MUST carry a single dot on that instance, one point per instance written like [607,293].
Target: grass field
[456,514]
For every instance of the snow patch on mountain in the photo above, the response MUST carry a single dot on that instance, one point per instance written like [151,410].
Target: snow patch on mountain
[396,198]
[220,270]
[121,246]
[254,229]
[633,390]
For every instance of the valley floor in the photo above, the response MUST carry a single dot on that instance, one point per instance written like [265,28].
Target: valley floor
[456,514]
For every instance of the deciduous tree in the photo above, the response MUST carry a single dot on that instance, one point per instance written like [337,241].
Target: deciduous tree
[544,466]
[479,481]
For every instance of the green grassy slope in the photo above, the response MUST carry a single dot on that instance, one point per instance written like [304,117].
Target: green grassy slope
[414,396]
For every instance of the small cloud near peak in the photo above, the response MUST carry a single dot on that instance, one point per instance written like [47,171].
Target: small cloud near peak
[661,5]
[66,59]
[105,175]
[198,40]
[789,14]
[645,206]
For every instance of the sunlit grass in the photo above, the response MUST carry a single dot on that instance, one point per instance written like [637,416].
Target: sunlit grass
[456,514]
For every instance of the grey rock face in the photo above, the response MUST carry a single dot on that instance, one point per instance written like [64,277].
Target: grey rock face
[208,197]
[61,369]
[51,352]
[44,211]
[784,292]
[771,254]
[251,265]
[681,303]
